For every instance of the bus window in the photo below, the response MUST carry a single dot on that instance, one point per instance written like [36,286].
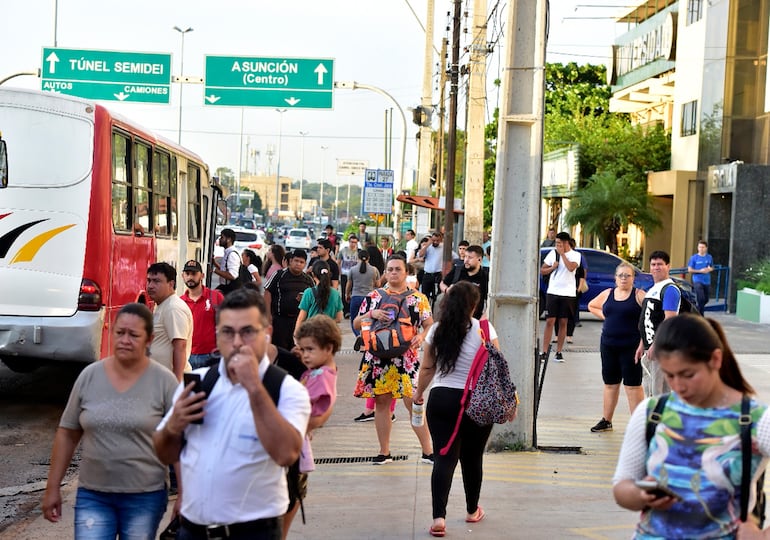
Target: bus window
[142,193]
[120,183]
[193,198]
[161,181]
[174,223]
[3,164]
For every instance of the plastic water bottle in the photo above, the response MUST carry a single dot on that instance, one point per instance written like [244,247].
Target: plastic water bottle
[418,414]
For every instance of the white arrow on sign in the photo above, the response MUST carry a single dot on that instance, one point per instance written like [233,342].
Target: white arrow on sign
[212,98]
[292,101]
[52,59]
[122,96]
[320,70]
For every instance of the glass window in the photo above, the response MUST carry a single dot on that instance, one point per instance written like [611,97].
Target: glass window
[161,183]
[173,215]
[142,166]
[193,202]
[121,181]
[143,222]
[689,119]
[694,11]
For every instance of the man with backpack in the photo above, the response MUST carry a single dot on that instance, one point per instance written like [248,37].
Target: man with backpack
[229,269]
[283,292]
[472,271]
[254,420]
[662,301]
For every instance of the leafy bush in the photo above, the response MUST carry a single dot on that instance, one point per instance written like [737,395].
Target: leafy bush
[756,276]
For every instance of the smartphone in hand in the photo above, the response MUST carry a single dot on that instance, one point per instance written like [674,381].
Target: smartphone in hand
[196,378]
[651,486]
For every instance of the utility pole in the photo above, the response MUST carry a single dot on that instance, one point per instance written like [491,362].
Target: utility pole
[449,189]
[441,119]
[420,216]
[515,237]
[475,137]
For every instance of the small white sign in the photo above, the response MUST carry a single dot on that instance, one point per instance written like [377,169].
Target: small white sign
[378,191]
[351,167]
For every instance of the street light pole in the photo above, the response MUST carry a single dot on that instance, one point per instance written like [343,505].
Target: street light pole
[302,172]
[181,84]
[278,165]
[323,179]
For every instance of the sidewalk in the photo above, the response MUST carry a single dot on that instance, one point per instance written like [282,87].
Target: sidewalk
[530,495]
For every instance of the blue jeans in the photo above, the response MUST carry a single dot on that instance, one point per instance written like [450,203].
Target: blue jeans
[201,360]
[355,305]
[133,516]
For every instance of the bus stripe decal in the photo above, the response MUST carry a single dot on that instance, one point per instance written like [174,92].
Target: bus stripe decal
[30,249]
[3,215]
[7,240]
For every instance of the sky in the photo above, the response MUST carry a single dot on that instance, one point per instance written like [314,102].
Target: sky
[374,42]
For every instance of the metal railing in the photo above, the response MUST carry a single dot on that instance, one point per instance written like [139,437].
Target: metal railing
[720,286]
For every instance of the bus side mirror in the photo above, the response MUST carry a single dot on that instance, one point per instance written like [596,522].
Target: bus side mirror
[3,164]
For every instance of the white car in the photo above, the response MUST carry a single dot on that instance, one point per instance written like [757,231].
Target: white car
[253,239]
[298,239]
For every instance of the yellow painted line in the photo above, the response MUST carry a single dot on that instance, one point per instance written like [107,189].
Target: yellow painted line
[30,249]
[595,532]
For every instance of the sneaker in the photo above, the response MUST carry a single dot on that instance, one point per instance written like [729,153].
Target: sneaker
[382,459]
[558,357]
[543,356]
[602,425]
[426,458]
[363,417]
[392,417]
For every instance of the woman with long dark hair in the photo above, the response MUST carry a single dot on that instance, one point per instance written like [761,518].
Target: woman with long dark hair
[450,347]
[320,299]
[695,450]
[252,262]
[273,260]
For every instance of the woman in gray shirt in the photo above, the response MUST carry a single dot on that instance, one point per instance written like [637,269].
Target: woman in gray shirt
[362,280]
[113,409]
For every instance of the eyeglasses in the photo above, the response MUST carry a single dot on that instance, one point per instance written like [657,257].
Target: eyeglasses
[247,333]
[624,276]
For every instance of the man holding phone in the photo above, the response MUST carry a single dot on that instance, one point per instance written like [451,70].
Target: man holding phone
[236,457]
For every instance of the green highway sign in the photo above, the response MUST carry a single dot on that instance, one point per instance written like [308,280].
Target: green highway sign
[297,83]
[107,75]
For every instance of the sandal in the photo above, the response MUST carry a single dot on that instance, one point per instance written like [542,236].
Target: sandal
[477,516]
[437,531]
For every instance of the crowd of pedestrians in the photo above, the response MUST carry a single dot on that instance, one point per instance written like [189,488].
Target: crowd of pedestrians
[200,384]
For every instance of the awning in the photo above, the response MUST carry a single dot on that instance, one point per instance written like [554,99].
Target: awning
[431,203]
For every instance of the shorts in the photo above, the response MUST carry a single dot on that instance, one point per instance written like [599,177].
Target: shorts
[618,365]
[560,307]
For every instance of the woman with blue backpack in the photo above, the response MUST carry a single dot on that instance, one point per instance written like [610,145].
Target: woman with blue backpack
[690,459]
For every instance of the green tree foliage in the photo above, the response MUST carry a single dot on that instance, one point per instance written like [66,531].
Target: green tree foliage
[611,150]
[607,203]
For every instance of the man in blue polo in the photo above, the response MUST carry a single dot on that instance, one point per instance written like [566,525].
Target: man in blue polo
[700,266]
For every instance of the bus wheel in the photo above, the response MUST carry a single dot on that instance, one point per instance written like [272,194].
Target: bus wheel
[21,365]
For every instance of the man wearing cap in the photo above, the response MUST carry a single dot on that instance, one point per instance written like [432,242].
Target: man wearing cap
[203,303]
[348,258]
[172,326]
[230,266]
[324,249]
[283,291]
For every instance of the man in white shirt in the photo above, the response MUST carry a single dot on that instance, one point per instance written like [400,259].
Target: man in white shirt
[230,266]
[560,264]
[173,322]
[233,464]
[411,245]
[433,253]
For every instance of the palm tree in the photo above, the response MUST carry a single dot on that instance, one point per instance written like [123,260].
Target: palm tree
[606,204]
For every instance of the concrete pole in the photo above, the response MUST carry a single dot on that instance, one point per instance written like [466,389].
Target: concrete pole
[449,184]
[513,274]
[302,173]
[421,216]
[477,94]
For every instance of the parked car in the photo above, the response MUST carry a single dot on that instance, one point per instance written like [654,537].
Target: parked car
[252,239]
[298,239]
[600,274]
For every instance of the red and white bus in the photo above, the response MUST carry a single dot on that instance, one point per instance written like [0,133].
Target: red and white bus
[92,200]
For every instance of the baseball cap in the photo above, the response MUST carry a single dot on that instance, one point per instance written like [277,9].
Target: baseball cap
[192,266]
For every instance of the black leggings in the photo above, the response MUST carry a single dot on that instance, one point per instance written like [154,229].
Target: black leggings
[468,447]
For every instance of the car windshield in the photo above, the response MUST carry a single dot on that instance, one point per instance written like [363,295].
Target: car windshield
[245,236]
[298,233]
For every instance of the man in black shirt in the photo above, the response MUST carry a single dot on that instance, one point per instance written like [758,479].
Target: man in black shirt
[283,291]
[473,272]
[324,249]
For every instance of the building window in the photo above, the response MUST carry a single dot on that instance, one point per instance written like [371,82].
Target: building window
[689,118]
[694,11]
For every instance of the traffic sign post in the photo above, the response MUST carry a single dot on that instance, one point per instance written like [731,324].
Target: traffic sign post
[378,191]
[296,83]
[108,75]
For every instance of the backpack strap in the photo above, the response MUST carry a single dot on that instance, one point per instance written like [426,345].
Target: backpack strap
[745,423]
[210,379]
[653,419]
